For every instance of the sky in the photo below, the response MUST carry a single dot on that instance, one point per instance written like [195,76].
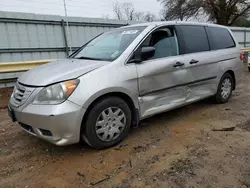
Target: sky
[79,8]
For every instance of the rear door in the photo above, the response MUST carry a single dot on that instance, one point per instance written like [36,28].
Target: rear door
[202,64]
[224,50]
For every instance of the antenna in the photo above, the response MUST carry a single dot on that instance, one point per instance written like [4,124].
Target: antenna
[67,26]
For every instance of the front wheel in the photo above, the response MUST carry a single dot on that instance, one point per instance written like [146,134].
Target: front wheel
[225,89]
[107,123]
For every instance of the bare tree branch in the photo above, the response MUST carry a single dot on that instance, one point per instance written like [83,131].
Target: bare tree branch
[179,9]
[106,16]
[223,12]
[239,15]
[117,10]
[149,17]
[128,10]
[139,16]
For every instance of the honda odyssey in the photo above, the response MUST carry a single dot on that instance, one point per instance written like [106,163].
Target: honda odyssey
[123,76]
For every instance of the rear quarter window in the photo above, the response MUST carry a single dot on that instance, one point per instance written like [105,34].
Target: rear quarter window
[192,39]
[219,38]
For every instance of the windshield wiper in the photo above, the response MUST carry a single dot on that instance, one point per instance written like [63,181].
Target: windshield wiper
[89,58]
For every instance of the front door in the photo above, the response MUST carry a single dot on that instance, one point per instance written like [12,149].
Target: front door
[162,78]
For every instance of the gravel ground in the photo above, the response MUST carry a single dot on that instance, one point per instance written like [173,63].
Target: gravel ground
[4,97]
[200,145]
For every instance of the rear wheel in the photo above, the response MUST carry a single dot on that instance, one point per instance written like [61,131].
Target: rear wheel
[107,123]
[225,89]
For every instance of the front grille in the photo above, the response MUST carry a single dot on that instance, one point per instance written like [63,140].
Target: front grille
[21,94]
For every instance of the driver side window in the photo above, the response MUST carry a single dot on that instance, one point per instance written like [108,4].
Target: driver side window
[164,41]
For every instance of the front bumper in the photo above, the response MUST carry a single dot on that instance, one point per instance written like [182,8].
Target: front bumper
[58,124]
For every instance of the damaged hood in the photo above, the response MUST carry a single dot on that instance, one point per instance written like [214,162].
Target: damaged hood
[59,70]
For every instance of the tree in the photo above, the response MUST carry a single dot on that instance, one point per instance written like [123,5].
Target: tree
[224,12]
[128,10]
[105,16]
[241,22]
[179,9]
[149,17]
[117,10]
[139,16]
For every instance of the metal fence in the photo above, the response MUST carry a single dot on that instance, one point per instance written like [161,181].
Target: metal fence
[242,35]
[26,37]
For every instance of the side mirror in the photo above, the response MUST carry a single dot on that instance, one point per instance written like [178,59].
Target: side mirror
[142,54]
[147,52]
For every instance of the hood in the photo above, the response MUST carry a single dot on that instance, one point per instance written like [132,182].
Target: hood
[59,70]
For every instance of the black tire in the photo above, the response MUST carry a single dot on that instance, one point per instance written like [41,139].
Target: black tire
[218,97]
[249,69]
[89,126]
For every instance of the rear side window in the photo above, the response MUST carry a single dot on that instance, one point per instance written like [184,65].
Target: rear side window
[219,38]
[192,39]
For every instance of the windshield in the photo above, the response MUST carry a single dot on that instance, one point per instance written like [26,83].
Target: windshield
[110,45]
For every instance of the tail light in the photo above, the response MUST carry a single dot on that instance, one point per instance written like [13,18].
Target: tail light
[241,56]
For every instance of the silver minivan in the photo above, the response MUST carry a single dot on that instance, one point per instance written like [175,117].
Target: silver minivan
[123,76]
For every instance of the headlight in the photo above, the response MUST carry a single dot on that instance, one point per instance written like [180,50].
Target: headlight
[57,93]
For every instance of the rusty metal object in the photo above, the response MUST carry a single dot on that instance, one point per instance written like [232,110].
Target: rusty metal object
[21,66]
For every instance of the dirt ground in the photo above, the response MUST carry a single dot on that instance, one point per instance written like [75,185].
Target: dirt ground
[186,147]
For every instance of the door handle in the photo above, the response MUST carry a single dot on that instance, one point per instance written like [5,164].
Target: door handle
[193,61]
[178,64]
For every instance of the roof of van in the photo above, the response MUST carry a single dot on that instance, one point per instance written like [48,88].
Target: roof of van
[174,23]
